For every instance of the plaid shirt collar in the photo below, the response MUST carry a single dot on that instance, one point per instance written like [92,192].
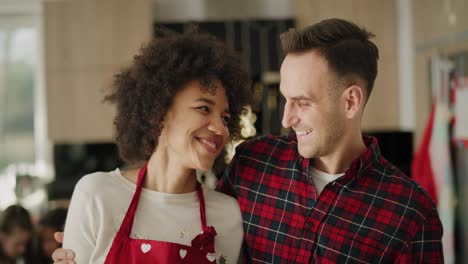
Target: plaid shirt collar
[367,159]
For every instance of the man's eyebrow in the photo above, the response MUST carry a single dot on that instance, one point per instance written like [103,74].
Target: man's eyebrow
[302,97]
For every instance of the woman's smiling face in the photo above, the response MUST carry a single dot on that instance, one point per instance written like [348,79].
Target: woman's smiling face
[195,127]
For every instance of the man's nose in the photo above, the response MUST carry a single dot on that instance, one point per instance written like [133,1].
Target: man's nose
[290,117]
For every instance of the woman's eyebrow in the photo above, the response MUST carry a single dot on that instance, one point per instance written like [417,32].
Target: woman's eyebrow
[206,100]
[211,102]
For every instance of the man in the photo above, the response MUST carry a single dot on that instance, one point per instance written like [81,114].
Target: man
[324,194]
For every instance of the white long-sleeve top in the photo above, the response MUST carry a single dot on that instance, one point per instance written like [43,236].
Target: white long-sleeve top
[100,201]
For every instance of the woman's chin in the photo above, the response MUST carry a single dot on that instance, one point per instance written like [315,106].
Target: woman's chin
[205,165]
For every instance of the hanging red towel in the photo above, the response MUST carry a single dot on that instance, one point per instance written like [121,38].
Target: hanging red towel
[421,170]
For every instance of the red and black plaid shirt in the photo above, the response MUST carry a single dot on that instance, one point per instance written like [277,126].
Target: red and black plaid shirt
[372,214]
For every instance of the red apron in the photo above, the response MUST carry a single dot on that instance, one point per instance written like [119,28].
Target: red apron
[127,250]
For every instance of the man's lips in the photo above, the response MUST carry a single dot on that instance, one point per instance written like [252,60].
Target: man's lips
[303,132]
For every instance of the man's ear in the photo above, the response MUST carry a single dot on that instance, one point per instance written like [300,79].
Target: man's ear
[355,99]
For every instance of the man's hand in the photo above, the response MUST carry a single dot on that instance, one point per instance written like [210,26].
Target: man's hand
[61,255]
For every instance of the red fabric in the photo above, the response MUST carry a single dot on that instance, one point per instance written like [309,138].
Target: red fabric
[421,170]
[127,250]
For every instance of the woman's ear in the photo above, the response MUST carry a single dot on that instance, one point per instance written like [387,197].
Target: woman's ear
[162,137]
[354,98]
[162,127]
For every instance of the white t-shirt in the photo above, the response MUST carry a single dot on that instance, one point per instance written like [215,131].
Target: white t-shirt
[321,179]
[101,199]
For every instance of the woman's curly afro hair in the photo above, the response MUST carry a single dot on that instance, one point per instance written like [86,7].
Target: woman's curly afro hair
[144,91]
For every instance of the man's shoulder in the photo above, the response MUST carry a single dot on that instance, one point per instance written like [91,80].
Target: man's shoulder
[400,187]
[268,142]
[269,150]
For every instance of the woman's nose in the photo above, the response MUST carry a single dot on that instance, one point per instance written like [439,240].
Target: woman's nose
[218,126]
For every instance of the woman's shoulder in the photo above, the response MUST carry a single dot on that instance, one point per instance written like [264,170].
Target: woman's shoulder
[224,214]
[220,198]
[96,181]
[222,207]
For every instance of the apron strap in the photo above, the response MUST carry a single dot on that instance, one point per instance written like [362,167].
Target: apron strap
[206,238]
[201,200]
[127,223]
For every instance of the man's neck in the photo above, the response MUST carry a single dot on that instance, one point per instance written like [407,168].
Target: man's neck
[341,158]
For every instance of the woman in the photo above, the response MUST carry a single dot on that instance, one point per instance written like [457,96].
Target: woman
[177,106]
[16,230]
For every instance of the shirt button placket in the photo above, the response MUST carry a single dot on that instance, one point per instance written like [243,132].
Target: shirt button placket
[306,246]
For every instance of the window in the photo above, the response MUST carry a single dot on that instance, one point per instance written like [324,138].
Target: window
[24,150]
[18,61]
